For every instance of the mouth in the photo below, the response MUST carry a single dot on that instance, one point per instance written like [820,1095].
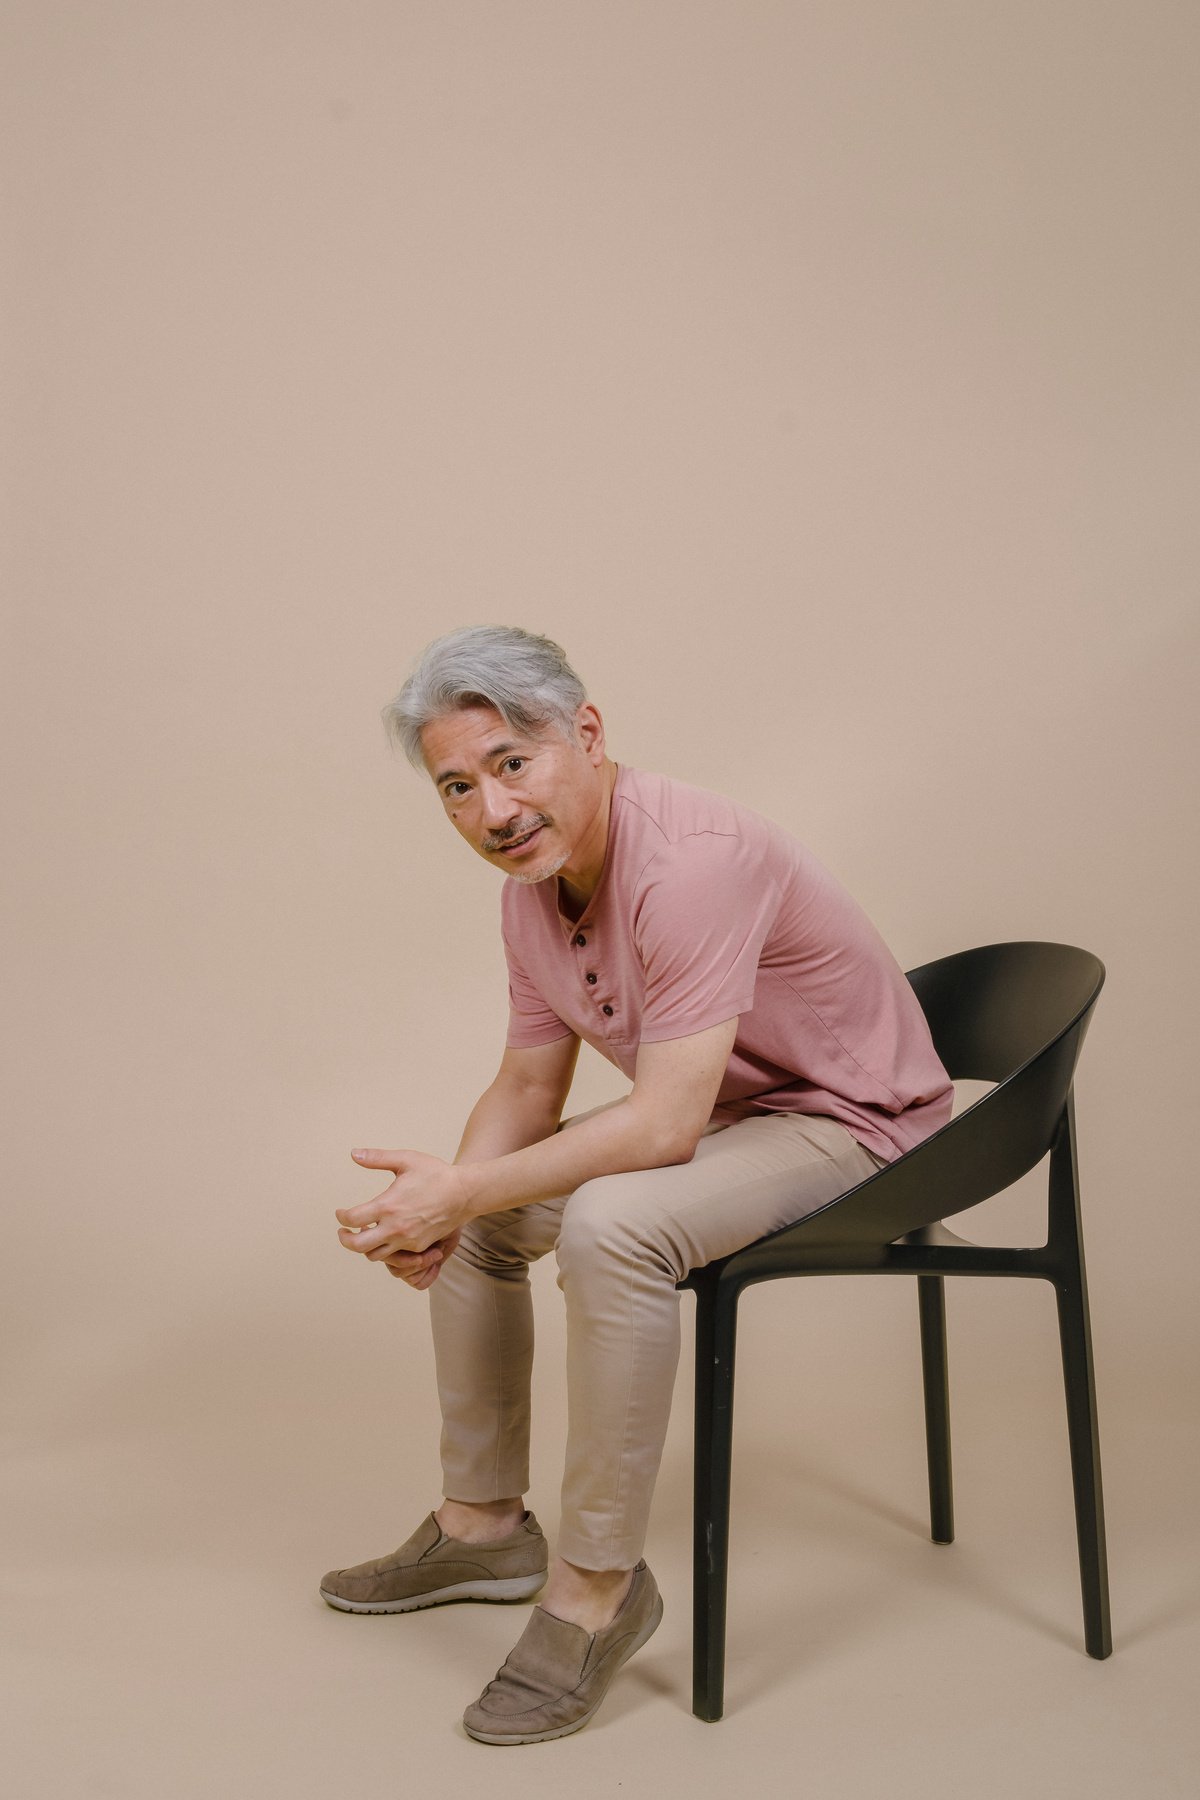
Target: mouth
[520,844]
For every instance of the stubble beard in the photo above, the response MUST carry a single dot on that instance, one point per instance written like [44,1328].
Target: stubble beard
[528,876]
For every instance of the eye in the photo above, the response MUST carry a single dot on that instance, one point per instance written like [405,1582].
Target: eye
[451,786]
[509,760]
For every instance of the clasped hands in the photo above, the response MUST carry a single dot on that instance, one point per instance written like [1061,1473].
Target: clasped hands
[414,1225]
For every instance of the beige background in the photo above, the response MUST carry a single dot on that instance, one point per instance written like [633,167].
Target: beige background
[823,377]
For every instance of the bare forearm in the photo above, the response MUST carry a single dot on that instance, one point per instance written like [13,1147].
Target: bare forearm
[506,1118]
[619,1138]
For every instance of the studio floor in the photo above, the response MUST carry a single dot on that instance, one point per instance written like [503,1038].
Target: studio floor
[165,1636]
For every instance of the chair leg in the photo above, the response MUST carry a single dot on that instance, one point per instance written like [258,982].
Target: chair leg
[1075,1334]
[931,1299]
[716,1335]
[1079,1377]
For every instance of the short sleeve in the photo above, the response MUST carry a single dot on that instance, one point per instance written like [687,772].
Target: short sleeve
[530,1020]
[704,907]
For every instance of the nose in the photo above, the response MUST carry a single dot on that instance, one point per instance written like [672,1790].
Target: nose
[500,807]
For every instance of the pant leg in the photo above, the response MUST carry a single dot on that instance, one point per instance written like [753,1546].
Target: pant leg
[481,1312]
[625,1240]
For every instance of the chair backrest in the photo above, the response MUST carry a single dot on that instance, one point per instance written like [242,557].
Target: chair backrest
[1015,1014]
[989,1010]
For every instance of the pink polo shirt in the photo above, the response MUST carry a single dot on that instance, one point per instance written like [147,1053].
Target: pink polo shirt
[704,910]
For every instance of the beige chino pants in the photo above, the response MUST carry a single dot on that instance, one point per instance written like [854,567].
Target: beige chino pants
[622,1241]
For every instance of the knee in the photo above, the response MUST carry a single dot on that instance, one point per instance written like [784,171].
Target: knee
[600,1225]
[498,1245]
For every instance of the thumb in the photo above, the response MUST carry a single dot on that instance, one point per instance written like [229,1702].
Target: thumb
[378,1159]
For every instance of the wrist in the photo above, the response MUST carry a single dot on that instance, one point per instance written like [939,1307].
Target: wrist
[471,1188]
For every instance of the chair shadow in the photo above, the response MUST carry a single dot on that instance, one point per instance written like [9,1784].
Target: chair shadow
[640,1684]
[1183,1610]
[833,1622]
[802,1634]
[862,1499]
[965,1577]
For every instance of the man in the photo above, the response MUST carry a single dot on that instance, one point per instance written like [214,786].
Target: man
[778,1057]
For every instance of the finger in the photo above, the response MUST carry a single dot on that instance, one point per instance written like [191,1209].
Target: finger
[378,1159]
[411,1271]
[409,1260]
[365,1213]
[415,1278]
[365,1241]
[358,1216]
[394,1247]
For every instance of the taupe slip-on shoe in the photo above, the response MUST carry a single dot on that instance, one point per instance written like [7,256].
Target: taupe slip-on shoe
[431,1568]
[558,1673]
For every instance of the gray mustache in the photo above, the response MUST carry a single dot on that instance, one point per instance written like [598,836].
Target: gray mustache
[515,836]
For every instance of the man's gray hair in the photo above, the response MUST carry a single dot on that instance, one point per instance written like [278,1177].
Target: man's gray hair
[526,678]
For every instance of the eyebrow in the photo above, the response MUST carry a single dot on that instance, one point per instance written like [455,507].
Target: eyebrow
[488,756]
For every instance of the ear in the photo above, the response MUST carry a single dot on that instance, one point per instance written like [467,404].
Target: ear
[589,732]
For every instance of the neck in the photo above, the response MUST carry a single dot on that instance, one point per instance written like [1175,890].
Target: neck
[577,885]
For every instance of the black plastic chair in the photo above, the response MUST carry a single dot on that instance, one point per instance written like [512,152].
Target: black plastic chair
[1013,1014]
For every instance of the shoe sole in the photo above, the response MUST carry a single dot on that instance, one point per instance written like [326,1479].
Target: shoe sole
[543,1737]
[513,1587]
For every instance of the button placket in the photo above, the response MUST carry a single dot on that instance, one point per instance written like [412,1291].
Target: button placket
[579,942]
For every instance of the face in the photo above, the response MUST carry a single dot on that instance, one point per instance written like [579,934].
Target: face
[530,805]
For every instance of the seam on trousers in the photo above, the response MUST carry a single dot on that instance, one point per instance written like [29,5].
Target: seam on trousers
[612,1527]
[499,1392]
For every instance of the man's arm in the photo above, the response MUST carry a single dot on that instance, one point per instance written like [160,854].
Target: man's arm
[675,1086]
[523,1104]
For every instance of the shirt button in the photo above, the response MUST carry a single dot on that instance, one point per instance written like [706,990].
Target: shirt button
[581,941]
[591,980]
[607,1009]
